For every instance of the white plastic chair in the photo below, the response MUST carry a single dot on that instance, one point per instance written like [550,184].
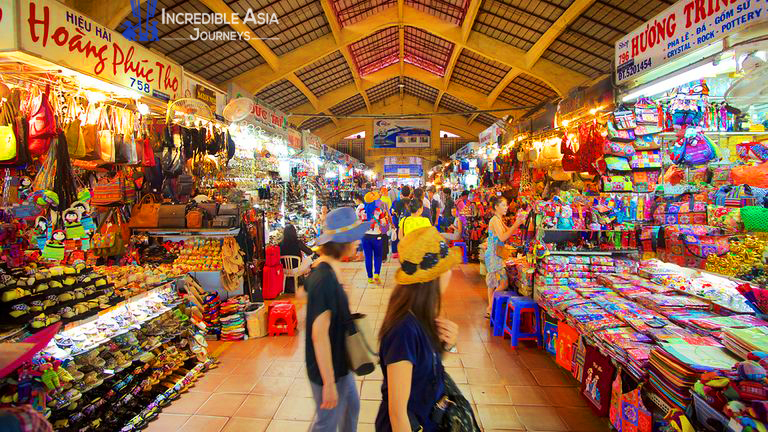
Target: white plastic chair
[291,264]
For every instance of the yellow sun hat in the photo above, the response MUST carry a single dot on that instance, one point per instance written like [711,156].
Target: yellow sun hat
[424,256]
[371,197]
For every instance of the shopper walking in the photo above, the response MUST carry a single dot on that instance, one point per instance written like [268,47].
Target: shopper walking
[418,194]
[498,233]
[333,384]
[377,221]
[413,222]
[399,211]
[414,337]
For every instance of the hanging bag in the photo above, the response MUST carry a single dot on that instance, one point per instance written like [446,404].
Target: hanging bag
[624,118]
[90,133]
[122,151]
[74,133]
[9,148]
[106,138]
[42,125]
[146,213]
[109,191]
[627,412]
[107,241]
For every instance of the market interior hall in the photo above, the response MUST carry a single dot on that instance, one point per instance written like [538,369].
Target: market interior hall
[176,176]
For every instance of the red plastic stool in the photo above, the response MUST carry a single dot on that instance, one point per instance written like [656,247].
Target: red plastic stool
[282,319]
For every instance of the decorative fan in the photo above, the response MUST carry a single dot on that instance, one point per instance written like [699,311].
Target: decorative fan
[238,109]
[751,89]
[191,108]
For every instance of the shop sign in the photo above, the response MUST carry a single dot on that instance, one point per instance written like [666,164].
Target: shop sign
[402,133]
[270,117]
[403,166]
[491,135]
[682,28]
[7,25]
[313,144]
[206,95]
[56,33]
[294,139]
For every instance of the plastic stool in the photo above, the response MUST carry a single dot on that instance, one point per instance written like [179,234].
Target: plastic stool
[463,247]
[498,308]
[282,319]
[516,306]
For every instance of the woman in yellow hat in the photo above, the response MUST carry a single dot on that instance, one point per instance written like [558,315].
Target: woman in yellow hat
[414,337]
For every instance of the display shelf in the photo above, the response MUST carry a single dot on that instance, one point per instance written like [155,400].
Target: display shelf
[134,326]
[601,252]
[674,134]
[584,230]
[184,232]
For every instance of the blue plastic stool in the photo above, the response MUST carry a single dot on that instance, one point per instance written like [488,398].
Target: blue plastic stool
[516,306]
[498,308]
[463,247]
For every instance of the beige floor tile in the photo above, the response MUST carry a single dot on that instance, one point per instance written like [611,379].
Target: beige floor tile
[168,423]
[540,418]
[371,390]
[259,406]
[244,424]
[499,417]
[490,395]
[368,411]
[272,386]
[288,426]
[200,423]
[300,388]
[296,409]
[188,403]
[284,369]
[221,405]
[483,377]
[458,374]
[527,395]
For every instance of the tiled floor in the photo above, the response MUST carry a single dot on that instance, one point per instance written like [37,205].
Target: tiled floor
[261,384]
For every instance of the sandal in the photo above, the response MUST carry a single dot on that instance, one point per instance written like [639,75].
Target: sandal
[19,310]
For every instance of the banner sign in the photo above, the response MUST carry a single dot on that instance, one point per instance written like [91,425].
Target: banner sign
[313,144]
[206,95]
[404,166]
[56,33]
[8,25]
[294,139]
[682,28]
[270,117]
[402,133]
[491,135]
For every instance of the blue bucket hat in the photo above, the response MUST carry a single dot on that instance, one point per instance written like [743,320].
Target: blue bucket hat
[342,226]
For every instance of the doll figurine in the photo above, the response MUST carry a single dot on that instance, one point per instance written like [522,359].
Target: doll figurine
[54,247]
[565,220]
[72,226]
[84,210]
[25,188]
[42,231]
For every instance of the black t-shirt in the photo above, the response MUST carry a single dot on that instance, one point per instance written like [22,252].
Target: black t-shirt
[326,294]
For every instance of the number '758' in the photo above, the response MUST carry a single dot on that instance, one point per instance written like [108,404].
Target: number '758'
[140,85]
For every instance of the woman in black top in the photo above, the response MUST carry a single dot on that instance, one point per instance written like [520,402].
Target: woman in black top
[292,246]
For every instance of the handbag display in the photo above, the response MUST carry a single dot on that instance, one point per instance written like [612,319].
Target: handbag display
[627,411]
[106,138]
[90,132]
[108,239]
[735,196]
[172,216]
[42,126]
[146,213]
[195,218]
[646,159]
[74,134]
[693,150]
[109,191]
[211,209]
[617,184]
[225,221]
[755,218]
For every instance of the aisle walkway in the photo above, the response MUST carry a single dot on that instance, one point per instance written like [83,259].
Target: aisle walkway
[261,384]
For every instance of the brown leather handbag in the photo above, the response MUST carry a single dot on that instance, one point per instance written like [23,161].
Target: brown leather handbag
[145,213]
[195,218]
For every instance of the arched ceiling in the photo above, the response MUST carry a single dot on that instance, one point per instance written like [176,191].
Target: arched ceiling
[341,57]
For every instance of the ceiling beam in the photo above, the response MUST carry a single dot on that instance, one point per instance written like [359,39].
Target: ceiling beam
[560,78]
[469,19]
[470,96]
[553,32]
[299,84]
[508,78]
[330,16]
[218,6]
[437,100]
[448,74]
[472,118]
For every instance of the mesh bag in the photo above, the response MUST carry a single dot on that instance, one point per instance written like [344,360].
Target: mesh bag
[755,218]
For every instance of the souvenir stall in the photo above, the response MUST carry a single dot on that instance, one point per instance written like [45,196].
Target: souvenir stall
[110,341]
[676,334]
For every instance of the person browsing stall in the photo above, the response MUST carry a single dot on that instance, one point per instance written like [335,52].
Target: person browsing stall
[498,234]
[413,222]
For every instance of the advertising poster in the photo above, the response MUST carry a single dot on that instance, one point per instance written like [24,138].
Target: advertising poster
[402,133]
[404,167]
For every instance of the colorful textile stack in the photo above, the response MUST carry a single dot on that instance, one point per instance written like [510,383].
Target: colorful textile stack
[628,347]
[675,368]
[232,319]
[745,340]
[212,304]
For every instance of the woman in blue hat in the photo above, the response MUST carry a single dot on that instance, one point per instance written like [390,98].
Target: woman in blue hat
[333,383]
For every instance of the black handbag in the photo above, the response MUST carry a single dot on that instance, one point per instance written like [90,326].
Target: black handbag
[172,216]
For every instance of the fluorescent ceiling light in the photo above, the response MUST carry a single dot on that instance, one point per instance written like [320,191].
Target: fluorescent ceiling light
[703,71]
